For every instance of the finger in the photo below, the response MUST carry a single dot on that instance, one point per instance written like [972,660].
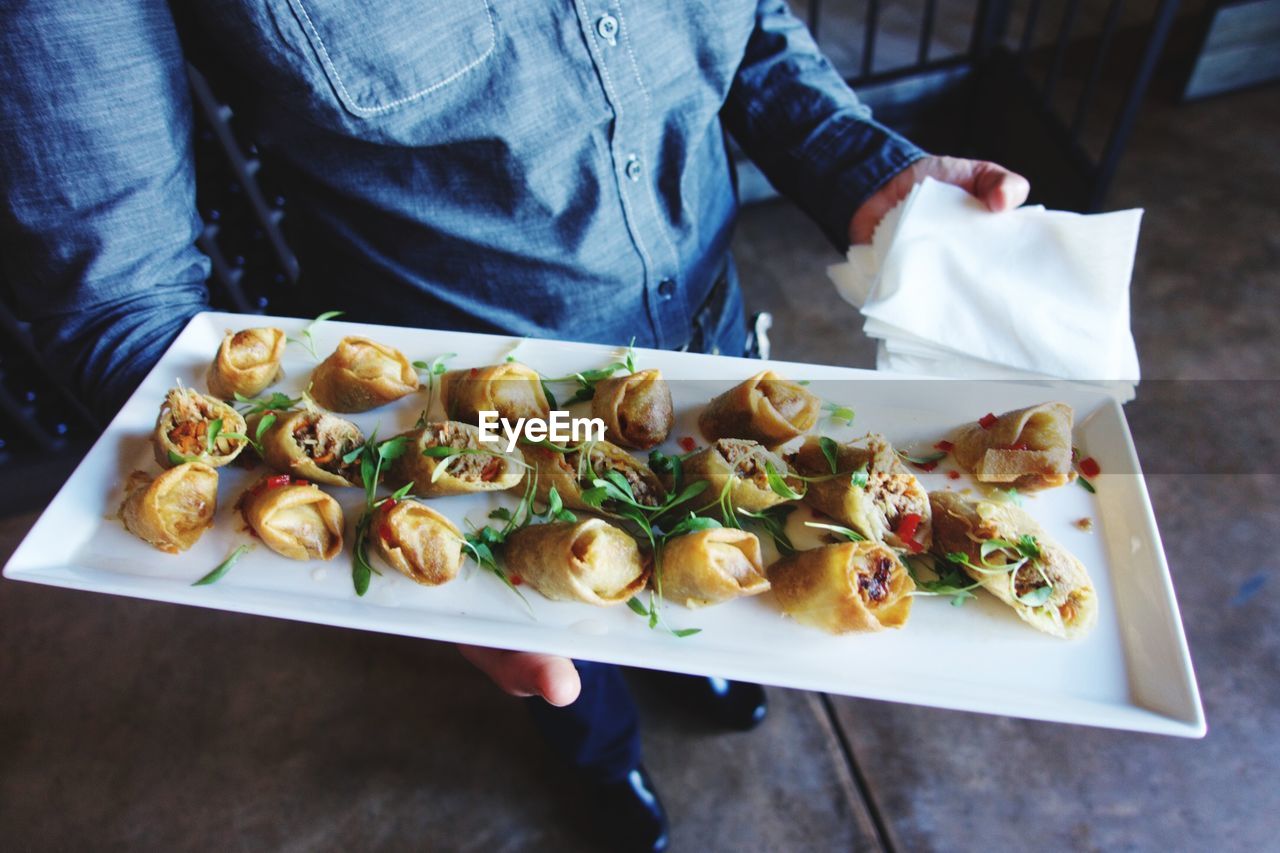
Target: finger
[527,674]
[998,188]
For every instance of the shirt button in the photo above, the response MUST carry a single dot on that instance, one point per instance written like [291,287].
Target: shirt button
[634,168]
[607,27]
[666,288]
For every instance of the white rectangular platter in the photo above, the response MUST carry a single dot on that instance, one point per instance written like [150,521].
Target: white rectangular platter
[1132,672]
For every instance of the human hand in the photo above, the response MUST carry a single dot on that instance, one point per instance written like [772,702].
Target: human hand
[527,674]
[995,186]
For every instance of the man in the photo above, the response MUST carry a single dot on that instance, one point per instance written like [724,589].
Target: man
[548,168]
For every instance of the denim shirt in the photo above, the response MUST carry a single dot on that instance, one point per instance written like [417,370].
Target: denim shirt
[528,167]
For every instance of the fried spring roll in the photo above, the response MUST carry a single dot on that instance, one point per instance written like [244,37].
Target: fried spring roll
[182,430]
[875,510]
[1028,449]
[636,409]
[844,588]
[171,511]
[417,541]
[511,389]
[1069,607]
[739,464]
[361,375]
[294,519]
[571,473]
[712,566]
[765,408]
[588,560]
[468,466]
[310,444]
[246,363]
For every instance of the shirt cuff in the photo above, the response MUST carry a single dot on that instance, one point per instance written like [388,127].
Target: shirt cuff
[872,155]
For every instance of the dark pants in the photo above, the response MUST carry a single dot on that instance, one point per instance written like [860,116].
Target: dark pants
[599,734]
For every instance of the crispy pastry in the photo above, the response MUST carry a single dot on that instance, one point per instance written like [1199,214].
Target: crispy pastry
[476,467]
[741,465]
[417,541]
[711,566]
[361,375]
[962,526]
[844,588]
[572,472]
[294,519]
[246,363]
[636,409]
[182,429]
[171,511]
[876,510]
[310,444]
[1028,448]
[588,560]
[765,408]
[511,389]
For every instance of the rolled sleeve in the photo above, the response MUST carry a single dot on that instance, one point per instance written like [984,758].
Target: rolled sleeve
[799,121]
[99,222]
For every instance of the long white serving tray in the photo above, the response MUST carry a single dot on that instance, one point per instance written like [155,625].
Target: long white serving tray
[1132,672]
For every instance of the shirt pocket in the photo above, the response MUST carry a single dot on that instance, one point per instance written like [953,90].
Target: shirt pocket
[380,55]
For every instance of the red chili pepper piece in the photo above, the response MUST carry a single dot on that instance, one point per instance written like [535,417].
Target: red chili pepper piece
[687,444]
[302,482]
[1090,467]
[945,446]
[516,580]
[475,371]
[277,480]
[914,547]
[953,475]
[491,470]
[384,530]
[907,525]
[926,466]
[389,504]
[987,421]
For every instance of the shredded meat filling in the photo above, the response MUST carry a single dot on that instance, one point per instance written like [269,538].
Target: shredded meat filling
[325,440]
[746,460]
[467,466]
[785,398]
[602,462]
[191,416]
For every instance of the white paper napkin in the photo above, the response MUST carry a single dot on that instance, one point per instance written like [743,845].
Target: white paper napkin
[951,289]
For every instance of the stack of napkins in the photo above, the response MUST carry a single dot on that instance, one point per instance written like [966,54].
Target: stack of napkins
[952,290]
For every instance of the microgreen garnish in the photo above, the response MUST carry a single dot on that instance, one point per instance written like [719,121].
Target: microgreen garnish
[831,451]
[211,436]
[838,413]
[614,489]
[774,521]
[1010,495]
[843,532]
[859,478]
[306,339]
[802,381]
[587,379]
[1086,485]
[779,485]
[1017,554]
[950,580]
[447,454]
[223,567]
[176,458]
[372,455]
[434,368]
[277,402]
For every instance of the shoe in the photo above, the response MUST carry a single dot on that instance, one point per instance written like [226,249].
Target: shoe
[628,814]
[738,705]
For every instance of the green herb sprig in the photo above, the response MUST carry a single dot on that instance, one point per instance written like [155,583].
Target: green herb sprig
[277,402]
[434,369]
[372,455]
[839,413]
[306,339]
[587,380]
[225,566]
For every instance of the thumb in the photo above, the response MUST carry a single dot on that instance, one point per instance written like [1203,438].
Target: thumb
[998,188]
[527,674]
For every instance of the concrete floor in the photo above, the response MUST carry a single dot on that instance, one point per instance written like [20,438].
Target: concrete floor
[134,725]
